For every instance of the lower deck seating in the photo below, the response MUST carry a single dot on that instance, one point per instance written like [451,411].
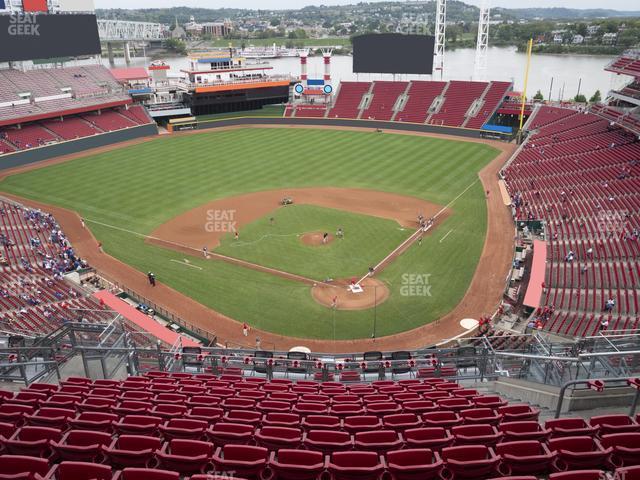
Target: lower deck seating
[161,426]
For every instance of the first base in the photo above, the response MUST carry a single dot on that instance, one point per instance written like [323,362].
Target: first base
[356,288]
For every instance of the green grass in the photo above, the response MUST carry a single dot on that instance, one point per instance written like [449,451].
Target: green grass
[367,240]
[142,186]
[266,111]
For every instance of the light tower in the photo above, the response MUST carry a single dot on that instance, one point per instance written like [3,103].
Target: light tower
[441,26]
[480,65]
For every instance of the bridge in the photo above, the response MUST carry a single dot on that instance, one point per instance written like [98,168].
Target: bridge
[123,31]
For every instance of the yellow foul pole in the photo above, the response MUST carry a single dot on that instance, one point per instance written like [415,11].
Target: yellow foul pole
[526,81]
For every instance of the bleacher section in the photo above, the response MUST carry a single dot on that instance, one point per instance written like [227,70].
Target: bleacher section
[582,175]
[348,100]
[109,120]
[421,96]
[465,104]
[46,93]
[491,101]
[459,97]
[161,426]
[385,96]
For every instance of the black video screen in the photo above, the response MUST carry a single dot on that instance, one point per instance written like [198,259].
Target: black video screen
[393,53]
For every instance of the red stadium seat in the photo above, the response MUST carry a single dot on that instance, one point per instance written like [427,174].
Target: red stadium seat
[627,473]
[275,419]
[378,441]
[14,413]
[626,448]
[274,438]
[476,434]
[96,421]
[434,438]
[81,445]
[355,465]
[138,425]
[267,406]
[289,464]
[244,460]
[527,430]
[183,428]
[614,424]
[480,415]
[50,417]
[419,406]
[20,467]
[321,422]
[223,433]
[79,471]
[327,441]
[62,400]
[361,423]
[250,417]
[381,409]
[185,456]
[133,473]
[132,407]
[132,450]
[519,412]
[488,401]
[444,419]
[168,411]
[454,404]
[347,409]
[401,421]
[207,414]
[414,464]
[32,441]
[96,404]
[579,453]
[579,475]
[470,461]
[570,427]
[527,457]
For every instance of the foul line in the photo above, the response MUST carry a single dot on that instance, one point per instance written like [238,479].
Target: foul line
[185,263]
[225,258]
[420,231]
[442,239]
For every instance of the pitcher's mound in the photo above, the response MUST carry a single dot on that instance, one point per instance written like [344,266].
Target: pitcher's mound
[315,239]
[375,292]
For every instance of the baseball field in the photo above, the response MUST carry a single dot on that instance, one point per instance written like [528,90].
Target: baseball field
[155,205]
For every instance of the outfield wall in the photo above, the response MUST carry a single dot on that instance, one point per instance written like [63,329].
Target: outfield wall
[342,122]
[26,157]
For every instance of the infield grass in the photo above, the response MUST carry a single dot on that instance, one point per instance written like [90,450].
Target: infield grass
[142,186]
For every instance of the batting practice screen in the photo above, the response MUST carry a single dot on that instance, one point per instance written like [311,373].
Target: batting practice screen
[40,36]
[393,53]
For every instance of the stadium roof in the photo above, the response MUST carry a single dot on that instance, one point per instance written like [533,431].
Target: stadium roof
[133,73]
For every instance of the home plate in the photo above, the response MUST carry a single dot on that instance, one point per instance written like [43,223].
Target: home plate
[356,288]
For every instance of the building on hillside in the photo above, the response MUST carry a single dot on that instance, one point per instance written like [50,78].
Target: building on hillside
[609,38]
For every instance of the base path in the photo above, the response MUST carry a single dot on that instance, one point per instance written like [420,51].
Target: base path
[208,223]
[483,295]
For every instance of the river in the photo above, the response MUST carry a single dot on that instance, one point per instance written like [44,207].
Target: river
[503,64]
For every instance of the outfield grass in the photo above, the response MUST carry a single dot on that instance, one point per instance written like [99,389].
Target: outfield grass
[367,240]
[142,186]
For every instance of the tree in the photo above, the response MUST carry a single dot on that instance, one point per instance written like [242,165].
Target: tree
[580,98]
[538,96]
[596,97]
[176,46]
[275,22]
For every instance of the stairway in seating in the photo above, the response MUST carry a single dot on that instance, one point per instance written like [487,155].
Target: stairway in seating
[368,95]
[442,95]
[405,95]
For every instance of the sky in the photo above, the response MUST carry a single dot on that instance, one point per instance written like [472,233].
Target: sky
[285,4]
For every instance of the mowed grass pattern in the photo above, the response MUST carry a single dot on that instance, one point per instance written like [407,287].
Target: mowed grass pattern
[142,186]
[366,241]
